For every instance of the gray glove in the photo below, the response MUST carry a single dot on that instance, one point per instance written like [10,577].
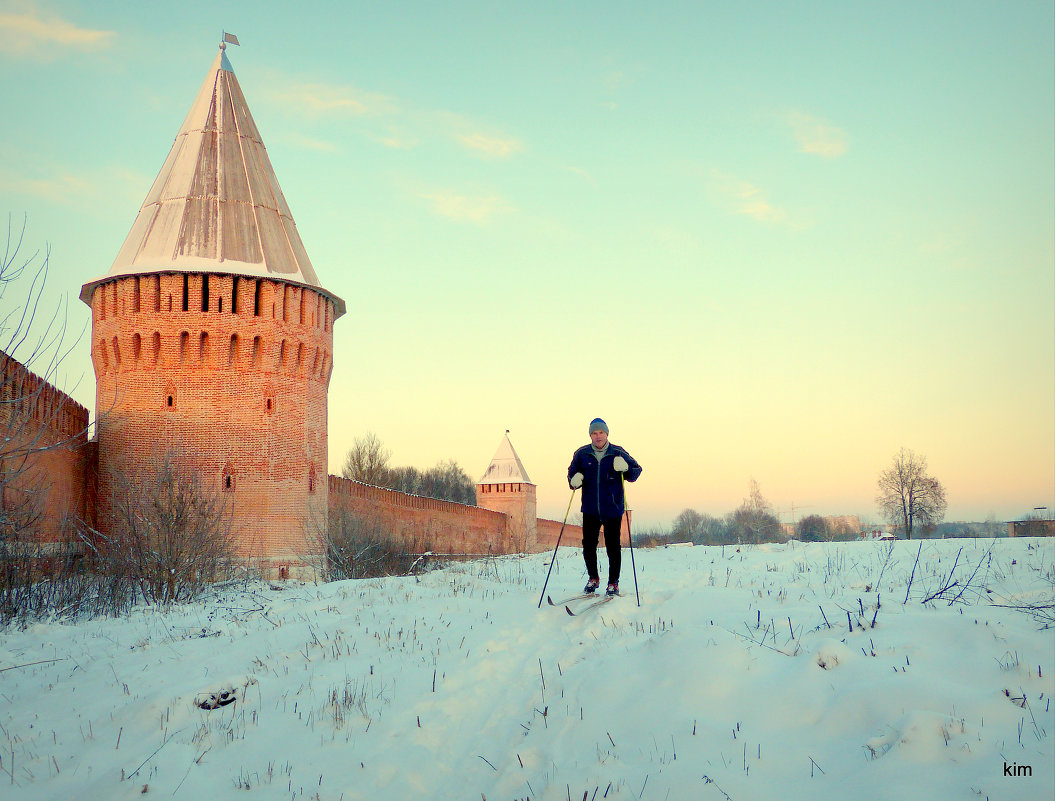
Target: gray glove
[576,481]
[620,465]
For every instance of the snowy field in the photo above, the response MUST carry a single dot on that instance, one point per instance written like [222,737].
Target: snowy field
[739,677]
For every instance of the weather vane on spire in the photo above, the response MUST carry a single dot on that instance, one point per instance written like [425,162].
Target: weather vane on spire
[228,37]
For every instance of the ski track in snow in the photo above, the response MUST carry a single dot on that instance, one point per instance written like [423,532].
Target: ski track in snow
[453,685]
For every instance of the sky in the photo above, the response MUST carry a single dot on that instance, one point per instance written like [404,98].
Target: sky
[765,241]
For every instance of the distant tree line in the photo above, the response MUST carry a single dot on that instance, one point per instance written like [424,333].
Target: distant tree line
[753,521]
[368,462]
[911,500]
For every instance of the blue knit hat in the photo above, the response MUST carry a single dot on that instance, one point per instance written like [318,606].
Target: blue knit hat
[597,424]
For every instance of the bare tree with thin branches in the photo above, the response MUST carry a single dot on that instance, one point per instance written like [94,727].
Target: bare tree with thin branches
[35,419]
[168,533]
[908,496]
[367,461]
[754,520]
[32,348]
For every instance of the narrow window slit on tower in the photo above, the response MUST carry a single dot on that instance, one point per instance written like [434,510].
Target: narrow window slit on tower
[186,292]
[205,293]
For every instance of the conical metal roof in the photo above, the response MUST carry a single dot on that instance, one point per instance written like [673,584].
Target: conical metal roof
[505,467]
[216,205]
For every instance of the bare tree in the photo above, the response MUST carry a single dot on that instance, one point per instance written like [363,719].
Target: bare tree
[362,546]
[34,419]
[168,533]
[31,351]
[367,461]
[687,524]
[448,482]
[909,497]
[754,520]
[813,528]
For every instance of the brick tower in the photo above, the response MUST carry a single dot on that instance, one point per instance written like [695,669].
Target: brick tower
[505,487]
[212,338]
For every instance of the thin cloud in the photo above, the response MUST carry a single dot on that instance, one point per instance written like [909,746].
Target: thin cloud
[582,173]
[66,187]
[490,146]
[405,127]
[749,200]
[322,99]
[817,136]
[310,143]
[27,31]
[465,208]
[397,139]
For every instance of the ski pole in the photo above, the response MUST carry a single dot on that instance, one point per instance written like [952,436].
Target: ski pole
[555,547]
[630,539]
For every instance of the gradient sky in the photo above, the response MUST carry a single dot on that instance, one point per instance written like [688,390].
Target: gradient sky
[771,241]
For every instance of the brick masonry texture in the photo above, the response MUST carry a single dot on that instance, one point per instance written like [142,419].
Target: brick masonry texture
[231,374]
[57,474]
[424,524]
[549,531]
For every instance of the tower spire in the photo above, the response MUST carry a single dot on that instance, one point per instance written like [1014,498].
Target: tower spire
[216,205]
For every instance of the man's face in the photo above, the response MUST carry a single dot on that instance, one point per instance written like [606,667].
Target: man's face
[599,439]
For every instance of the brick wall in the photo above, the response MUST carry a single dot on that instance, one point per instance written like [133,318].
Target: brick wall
[232,374]
[549,530]
[421,524]
[44,451]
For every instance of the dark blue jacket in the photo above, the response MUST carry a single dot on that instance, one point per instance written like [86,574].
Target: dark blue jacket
[602,488]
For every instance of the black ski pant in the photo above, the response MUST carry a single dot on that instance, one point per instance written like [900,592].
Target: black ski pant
[591,529]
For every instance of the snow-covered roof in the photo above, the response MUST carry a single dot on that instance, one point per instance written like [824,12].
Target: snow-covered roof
[216,205]
[505,467]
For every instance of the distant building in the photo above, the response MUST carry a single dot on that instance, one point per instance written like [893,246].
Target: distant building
[505,487]
[1031,528]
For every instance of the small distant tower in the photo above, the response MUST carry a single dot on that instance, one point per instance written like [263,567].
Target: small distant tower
[212,337]
[506,488]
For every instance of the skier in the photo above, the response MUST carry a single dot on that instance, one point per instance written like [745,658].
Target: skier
[599,468]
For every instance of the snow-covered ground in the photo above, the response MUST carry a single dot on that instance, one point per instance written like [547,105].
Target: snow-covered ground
[737,678]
